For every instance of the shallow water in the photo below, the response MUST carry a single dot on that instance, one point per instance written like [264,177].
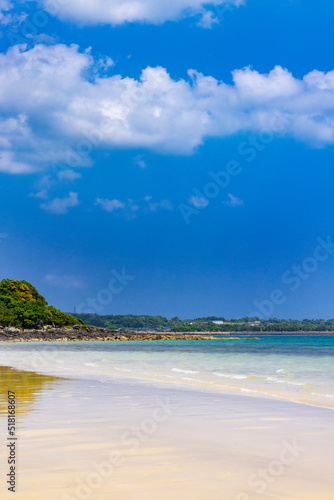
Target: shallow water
[299,368]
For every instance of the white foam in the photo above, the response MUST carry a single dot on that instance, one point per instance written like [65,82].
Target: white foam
[228,375]
[280,381]
[182,371]
[274,379]
[323,395]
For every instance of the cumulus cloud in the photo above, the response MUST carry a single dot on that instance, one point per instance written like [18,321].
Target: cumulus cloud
[55,106]
[66,281]
[61,205]
[117,12]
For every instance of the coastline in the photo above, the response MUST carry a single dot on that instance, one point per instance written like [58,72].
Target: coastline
[209,365]
[85,334]
[96,334]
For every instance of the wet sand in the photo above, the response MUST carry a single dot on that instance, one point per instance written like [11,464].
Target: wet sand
[140,440]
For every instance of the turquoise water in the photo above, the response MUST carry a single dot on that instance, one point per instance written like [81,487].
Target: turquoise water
[297,368]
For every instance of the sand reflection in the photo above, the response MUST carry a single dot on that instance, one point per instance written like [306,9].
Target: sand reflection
[28,386]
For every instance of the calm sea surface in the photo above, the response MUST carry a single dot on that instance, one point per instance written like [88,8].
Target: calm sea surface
[297,368]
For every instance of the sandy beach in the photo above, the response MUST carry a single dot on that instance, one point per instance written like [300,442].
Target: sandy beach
[166,250]
[139,440]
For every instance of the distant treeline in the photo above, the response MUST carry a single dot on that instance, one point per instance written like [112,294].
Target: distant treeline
[205,324]
[127,321]
[264,326]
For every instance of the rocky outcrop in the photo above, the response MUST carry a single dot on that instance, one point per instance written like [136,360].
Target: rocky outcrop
[92,333]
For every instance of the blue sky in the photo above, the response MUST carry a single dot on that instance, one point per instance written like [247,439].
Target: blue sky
[116,122]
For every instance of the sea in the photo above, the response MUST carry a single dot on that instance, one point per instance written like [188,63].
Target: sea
[298,368]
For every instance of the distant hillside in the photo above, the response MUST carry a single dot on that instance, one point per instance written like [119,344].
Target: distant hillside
[206,324]
[22,306]
[126,321]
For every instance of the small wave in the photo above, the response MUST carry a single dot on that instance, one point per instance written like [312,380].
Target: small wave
[280,381]
[274,379]
[323,395]
[182,371]
[90,364]
[122,369]
[228,375]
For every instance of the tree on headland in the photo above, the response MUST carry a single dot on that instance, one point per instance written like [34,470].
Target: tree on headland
[22,306]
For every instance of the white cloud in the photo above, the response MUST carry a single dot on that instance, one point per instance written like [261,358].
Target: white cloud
[8,18]
[104,63]
[42,195]
[5,6]
[164,204]
[61,205]
[44,38]
[198,202]
[15,132]
[130,207]
[53,178]
[109,205]
[8,163]
[117,12]
[208,19]
[233,201]
[66,281]
[69,175]
[54,107]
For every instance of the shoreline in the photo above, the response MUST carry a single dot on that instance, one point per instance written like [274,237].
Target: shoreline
[95,334]
[168,453]
[44,354]
[164,384]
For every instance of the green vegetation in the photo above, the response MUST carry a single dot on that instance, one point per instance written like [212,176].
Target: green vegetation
[257,325]
[206,324]
[126,322]
[22,306]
